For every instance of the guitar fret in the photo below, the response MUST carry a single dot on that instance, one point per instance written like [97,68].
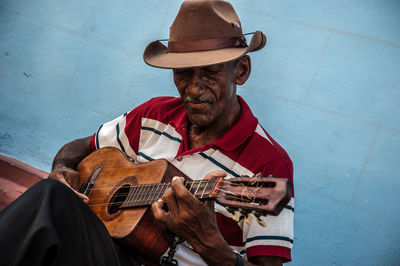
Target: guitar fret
[198,186]
[140,195]
[159,188]
[163,187]
[132,194]
[211,183]
[155,193]
[202,194]
[215,181]
[136,195]
[191,186]
[147,194]
[151,193]
[127,200]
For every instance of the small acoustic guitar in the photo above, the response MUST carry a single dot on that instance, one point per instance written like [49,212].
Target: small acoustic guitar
[121,191]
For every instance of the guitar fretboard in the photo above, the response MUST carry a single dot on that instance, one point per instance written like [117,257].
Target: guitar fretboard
[147,194]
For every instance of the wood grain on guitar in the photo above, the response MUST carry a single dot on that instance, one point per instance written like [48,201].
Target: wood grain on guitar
[121,191]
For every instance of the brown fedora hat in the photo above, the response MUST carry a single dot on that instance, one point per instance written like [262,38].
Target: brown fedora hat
[205,32]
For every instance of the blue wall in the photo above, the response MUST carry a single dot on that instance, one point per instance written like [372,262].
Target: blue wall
[326,87]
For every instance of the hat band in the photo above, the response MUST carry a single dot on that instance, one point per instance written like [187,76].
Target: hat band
[205,45]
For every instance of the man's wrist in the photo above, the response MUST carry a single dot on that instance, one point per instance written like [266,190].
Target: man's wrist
[60,164]
[239,258]
[208,252]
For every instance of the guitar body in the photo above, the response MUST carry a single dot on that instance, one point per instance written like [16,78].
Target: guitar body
[135,227]
[121,192]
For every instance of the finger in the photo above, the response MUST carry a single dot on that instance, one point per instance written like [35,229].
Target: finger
[209,204]
[216,173]
[82,196]
[70,175]
[158,212]
[181,192]
[171,201]
[177,183]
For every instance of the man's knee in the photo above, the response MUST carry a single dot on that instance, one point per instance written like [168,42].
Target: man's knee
[52,188]
[49,184]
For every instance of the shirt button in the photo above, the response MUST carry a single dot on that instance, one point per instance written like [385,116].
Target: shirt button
[179,159]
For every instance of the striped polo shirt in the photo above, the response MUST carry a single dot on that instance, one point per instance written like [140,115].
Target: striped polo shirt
[158,129]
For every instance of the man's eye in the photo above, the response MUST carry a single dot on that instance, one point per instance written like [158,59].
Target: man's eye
[209,72]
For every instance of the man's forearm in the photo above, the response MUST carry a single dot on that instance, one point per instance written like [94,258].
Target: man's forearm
[215,251]
[222,255]
[72,153]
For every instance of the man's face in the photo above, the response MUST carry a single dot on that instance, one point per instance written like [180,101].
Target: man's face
[208,93]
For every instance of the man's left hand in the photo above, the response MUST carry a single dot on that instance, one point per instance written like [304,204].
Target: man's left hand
[187,216]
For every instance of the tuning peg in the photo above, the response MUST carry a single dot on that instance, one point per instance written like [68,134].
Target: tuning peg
[248,219]
[235,213]
[244,212]
[236,216]
[259,220]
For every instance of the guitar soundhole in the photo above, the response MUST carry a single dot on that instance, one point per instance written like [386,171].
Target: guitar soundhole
[118,199]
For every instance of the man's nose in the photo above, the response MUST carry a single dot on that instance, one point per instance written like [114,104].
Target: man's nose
[196,86]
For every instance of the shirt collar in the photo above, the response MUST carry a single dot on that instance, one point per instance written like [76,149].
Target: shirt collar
[241,130]
[237,135]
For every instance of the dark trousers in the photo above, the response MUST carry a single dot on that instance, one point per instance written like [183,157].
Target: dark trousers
[50,225]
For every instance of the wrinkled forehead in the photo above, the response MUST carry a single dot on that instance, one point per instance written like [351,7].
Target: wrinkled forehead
[217,67]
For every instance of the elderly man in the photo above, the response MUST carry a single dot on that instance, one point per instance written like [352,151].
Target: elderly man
[209,130]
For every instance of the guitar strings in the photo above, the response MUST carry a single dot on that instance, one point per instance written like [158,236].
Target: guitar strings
[167,185]
[152,200]
[157,185]
[147,193]
[144,204]
[255,182]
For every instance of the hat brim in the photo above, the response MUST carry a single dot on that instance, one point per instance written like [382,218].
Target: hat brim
[157,55]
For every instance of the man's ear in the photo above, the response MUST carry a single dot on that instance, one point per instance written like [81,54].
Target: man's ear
[243,70]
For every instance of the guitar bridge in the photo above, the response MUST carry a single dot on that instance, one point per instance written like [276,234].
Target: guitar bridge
[87,186]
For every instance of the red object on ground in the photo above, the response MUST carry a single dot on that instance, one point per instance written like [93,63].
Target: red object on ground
[15,178]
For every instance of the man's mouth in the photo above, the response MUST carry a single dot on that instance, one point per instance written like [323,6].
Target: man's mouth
[198,103]
[197,100]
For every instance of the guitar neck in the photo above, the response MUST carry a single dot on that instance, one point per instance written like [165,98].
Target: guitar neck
[144,195]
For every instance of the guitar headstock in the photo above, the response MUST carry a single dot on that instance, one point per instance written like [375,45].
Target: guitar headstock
[260,196]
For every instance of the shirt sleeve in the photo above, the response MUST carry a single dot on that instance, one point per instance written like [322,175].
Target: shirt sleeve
[123,132]
[114,134]
[276,239]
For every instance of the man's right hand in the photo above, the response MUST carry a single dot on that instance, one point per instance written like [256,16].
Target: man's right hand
[65,162]
[70,178]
